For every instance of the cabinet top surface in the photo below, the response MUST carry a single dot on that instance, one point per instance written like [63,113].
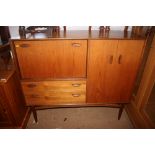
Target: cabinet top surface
[80,34]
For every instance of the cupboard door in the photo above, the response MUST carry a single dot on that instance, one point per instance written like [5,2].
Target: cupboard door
[102,71]
[128,58]
[52,58]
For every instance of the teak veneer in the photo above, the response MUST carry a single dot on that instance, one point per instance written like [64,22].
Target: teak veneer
[78,68]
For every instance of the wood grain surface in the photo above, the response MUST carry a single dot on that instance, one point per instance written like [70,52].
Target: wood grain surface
[52,59]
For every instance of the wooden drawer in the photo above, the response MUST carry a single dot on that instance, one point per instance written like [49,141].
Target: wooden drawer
[54,92]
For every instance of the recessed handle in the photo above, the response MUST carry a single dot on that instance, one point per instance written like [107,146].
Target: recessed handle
[75,95]
[76,84]
[34,96]
[23,45]
[76,44]
[48,97]
[111,59]
[120,59]
[31,85]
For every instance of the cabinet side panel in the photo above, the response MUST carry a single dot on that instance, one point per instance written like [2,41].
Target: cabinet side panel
[16,99]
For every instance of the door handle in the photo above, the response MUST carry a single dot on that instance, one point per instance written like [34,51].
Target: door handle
[120,59]
[111,59]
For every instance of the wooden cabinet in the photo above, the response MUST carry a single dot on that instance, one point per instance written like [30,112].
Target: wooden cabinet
[52,59]
[13,112]
[112,68]
[77,72]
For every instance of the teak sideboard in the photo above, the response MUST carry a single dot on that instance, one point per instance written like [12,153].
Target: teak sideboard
[78,69]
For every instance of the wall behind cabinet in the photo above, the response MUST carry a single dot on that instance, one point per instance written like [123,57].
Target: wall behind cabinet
[14,29]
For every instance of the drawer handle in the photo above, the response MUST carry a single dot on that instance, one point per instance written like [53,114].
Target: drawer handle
[23,45]
[75,95]
[76,85]
[31,85]
[34,96]
[48,97]
[76,44]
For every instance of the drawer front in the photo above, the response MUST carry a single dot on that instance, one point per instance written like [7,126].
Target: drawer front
[55,98]
[54,92]
[52,58]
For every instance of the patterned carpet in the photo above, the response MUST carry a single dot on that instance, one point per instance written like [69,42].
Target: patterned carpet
[80,118]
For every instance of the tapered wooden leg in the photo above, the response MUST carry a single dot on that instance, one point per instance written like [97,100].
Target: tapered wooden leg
[34,114]
[120,111]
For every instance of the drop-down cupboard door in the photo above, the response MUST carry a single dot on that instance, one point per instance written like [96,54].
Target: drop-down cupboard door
[112,68]
[51,58]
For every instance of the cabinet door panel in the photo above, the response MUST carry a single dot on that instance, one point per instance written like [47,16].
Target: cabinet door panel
[52,59]
[128,59]
[102,73]
[111,79]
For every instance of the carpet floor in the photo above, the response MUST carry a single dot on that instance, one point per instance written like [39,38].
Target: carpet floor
[80,118]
